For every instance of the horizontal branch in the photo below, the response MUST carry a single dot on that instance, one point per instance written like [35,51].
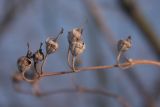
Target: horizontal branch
[127,64]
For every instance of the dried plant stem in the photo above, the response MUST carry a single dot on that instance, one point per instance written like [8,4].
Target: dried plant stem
[45,57]
[73,64]
[68,58]
[35,67]
[118,57]
[130,63]
[127,64]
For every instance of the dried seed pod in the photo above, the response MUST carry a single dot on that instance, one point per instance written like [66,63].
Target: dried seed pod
[52,44]
[38,56]
[24,63]
[76,45]
[75,35]
[123,46]
[77,48]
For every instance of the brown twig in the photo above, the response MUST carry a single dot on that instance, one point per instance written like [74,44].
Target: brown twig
[129,64]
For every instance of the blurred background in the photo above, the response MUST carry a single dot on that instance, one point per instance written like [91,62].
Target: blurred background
[23,21]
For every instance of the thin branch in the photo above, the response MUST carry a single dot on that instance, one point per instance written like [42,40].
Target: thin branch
[129,64]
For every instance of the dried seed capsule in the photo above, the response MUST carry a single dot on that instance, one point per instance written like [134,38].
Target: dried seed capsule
[51,43]
[75,35]
[77,48]
[24,63]
[38,55]
[51,46]
[123,46]
[76,45]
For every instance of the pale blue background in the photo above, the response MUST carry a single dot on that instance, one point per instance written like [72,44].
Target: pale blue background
[41,18]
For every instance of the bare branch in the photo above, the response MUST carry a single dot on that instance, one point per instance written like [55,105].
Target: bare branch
[129,64]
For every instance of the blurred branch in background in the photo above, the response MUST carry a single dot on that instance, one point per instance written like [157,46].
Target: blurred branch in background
[97,58]
[132,10]
[12,8]
[78,89]
[95,12]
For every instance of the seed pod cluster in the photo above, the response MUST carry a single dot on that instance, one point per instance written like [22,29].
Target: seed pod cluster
[76,45]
